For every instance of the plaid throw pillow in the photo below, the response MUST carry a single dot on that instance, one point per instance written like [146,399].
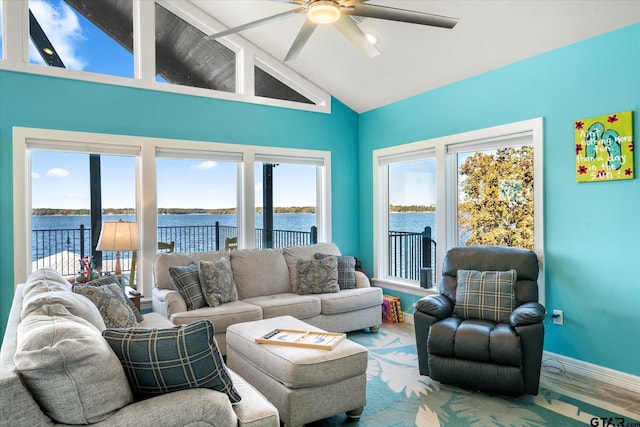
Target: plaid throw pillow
[158,361]
[186,279]
[485,295]
[346,270]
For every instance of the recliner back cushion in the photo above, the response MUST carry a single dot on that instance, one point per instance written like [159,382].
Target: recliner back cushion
[259,272]
[492,258]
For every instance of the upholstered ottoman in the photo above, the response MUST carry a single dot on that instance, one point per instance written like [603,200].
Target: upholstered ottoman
[305,384]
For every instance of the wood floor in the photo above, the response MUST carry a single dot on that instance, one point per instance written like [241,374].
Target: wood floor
[554,377]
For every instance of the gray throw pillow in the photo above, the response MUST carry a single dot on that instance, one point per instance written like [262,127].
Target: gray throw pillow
[216,280]
[186,279]
[158,361]
[106,280]
[485,295]
[111,304]
[318,276]
[346,270]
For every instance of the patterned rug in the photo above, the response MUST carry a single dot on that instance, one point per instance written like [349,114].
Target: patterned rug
[398,396]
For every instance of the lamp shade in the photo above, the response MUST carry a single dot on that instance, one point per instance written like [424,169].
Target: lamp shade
[119,236]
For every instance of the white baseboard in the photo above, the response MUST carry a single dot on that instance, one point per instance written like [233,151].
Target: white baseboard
[595,372]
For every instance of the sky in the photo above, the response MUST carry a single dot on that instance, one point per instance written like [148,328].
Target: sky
[61,180]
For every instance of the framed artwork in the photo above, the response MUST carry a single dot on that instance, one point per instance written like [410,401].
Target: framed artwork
[604,148]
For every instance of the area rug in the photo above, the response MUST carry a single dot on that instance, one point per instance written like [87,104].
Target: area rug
[398,396]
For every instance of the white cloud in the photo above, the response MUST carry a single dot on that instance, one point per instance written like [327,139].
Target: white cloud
[206,165]
[35,175]
[259,187]
[58,173]
[61,25]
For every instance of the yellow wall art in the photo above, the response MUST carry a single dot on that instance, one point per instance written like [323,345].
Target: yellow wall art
[604,148]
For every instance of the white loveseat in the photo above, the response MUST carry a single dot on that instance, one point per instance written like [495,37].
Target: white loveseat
[267,282]
[69,375]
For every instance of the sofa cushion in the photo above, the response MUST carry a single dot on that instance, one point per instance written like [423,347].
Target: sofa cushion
[485,295]
[164,260]
[258,272]
[107,280]
[186,280]
[221,316]
[298,306]
[69,368]
[76,304]
[317,276]
[44,281]
[350,300]
[216,281]
[293,253]
[111,304]
[159,361]
[346,270]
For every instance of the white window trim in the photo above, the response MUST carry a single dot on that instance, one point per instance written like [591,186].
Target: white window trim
[16,58]
[146,148]
[446,174]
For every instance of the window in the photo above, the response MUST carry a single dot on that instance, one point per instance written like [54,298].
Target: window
[197,202]
[175,190]
[482,187]
[63,34]
[286,203]
[64,206]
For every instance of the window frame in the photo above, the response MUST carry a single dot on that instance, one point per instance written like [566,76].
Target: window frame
[15,57]
[446,199]
[147,150]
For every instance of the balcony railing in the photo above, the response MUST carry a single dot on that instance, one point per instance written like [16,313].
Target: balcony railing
[411,254]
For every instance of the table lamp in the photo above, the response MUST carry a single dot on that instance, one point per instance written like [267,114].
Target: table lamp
[119,236]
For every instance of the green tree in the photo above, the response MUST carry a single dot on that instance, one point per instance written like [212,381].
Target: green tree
[495,204]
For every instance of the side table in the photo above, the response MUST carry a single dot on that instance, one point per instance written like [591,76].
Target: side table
[135,299]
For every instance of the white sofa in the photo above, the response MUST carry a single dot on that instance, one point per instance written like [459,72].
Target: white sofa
[266,283]
[74,387]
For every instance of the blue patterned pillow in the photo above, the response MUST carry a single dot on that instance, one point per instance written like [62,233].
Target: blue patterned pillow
[318,276]
[158,361]
[186,279]
[216,280]
[111,303]
[485,295]
[108,279]
[346,270]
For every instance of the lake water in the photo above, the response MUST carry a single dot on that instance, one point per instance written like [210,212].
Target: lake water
[44,246]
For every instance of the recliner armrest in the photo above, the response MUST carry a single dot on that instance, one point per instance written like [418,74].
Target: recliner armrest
[439,306]
[527,314]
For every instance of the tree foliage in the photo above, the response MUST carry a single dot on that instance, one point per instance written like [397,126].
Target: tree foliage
[495,204]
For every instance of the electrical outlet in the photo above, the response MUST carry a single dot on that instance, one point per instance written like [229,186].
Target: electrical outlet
[558,317]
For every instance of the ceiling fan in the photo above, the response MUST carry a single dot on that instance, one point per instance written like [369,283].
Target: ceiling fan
[336,12]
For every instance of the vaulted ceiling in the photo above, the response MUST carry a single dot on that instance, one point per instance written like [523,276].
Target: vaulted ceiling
[414,58]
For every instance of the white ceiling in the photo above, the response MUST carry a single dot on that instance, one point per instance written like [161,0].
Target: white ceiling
[416,58]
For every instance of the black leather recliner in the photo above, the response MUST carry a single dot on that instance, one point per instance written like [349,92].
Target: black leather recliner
[503,358]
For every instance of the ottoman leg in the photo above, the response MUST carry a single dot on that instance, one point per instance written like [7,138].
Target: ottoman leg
[354,414]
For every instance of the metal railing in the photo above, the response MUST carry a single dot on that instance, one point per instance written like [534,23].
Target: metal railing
[412,256]
[62,249]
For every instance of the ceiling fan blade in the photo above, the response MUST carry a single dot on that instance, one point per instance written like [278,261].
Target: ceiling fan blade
[301,39]
[401,15]
[256,23]
[357,37]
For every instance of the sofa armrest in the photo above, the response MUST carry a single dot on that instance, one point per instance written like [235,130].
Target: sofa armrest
[438,306]
[198,406]
[362,281]
[527,314]
[168,302]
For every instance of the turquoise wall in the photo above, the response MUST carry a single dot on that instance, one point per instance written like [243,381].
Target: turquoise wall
[53,103]
[591,230]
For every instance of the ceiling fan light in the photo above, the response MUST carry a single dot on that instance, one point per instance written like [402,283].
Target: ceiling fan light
[324,12]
